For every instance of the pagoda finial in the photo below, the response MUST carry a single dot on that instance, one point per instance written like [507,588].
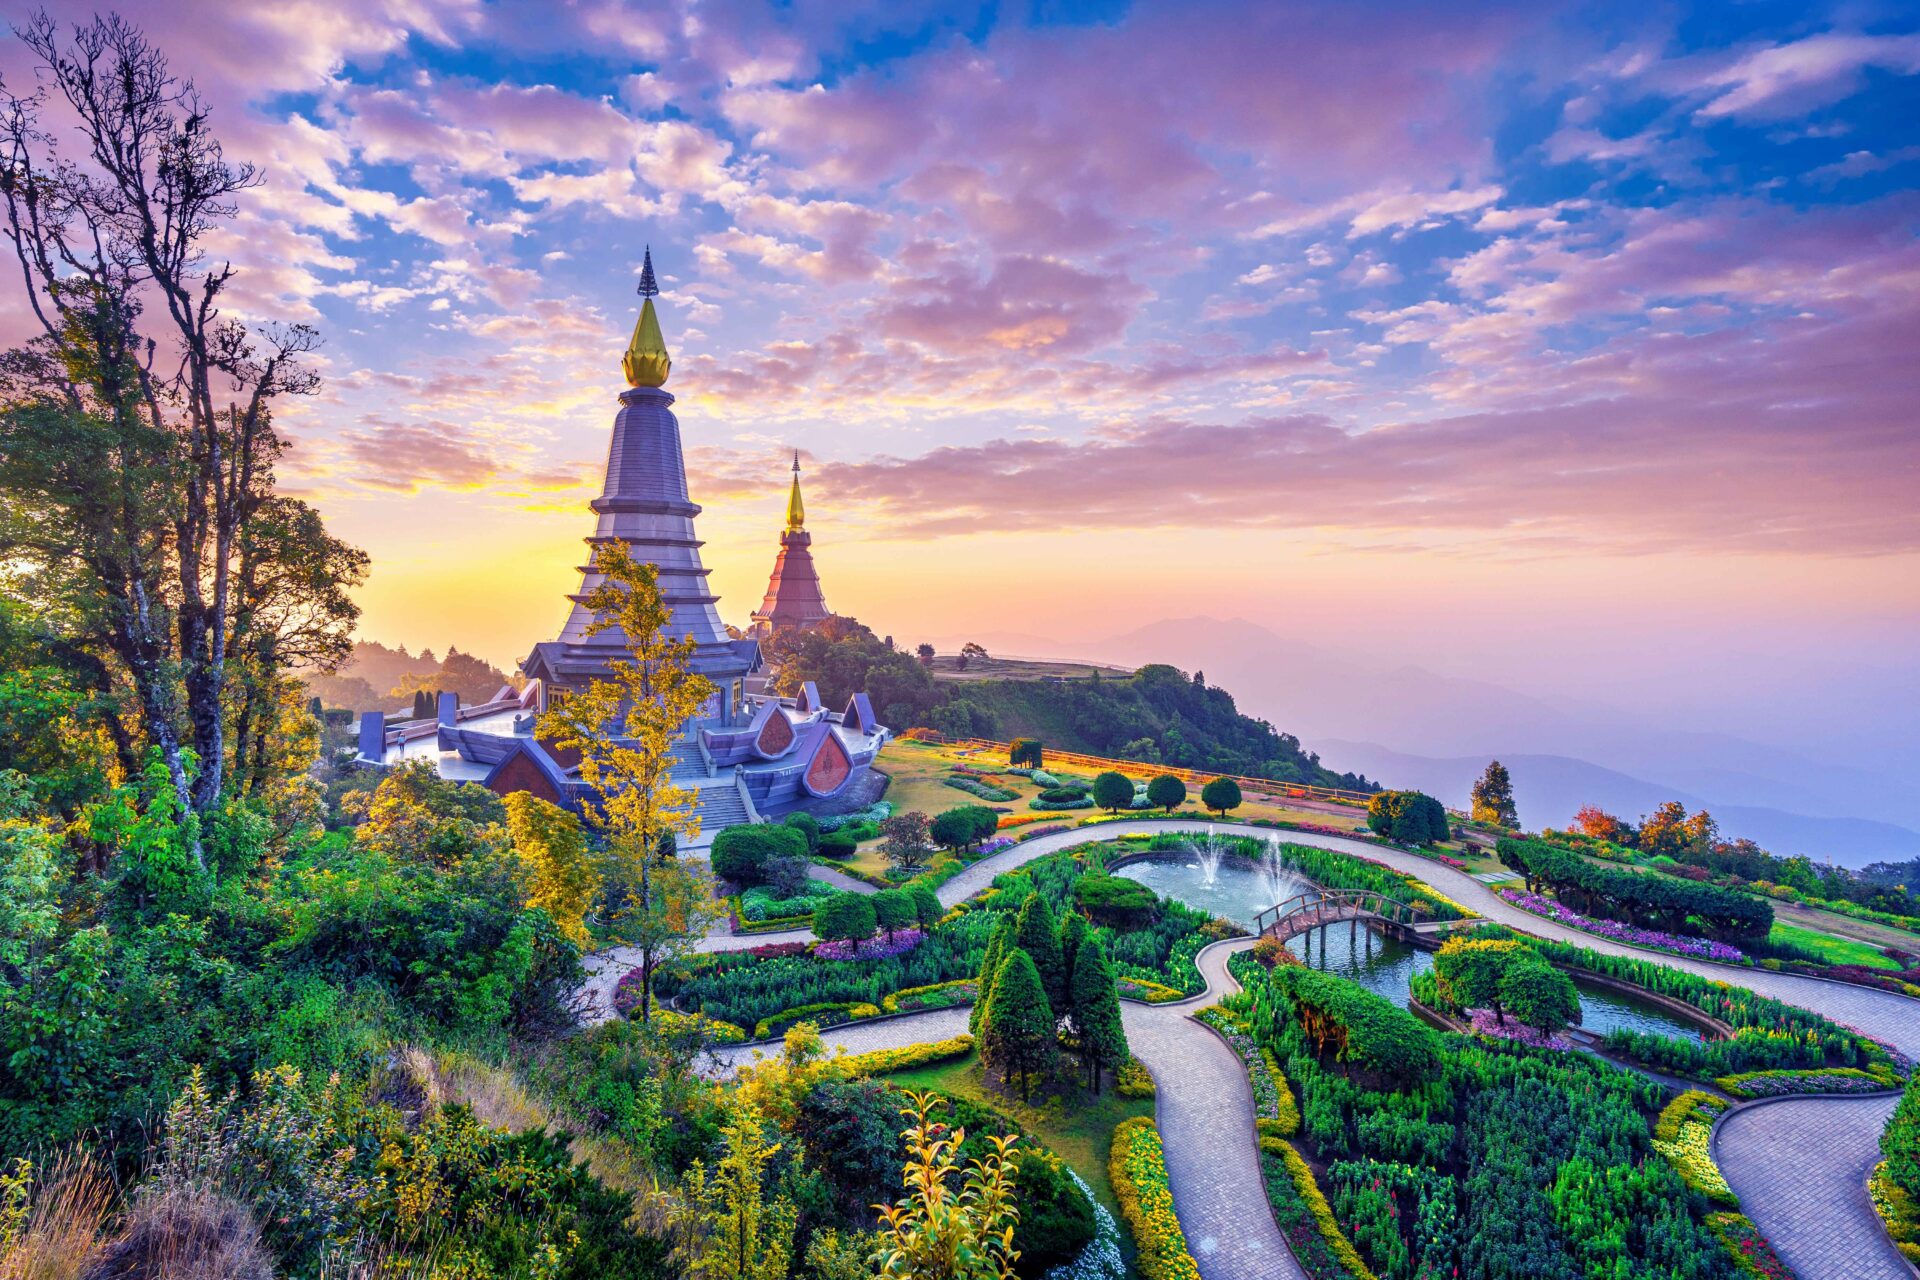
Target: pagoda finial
[646,362]
[796,511]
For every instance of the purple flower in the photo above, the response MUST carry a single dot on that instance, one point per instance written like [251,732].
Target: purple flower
[878,947]
[1483,1022]
[1702,948]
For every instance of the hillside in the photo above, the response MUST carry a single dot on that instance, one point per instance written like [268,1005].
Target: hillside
[1157,714]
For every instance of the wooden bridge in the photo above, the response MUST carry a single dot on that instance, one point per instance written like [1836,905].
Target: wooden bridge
[1305,912]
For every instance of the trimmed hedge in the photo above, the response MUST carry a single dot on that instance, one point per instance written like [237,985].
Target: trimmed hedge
[740,853]
[941,995]
[1657,902]
[1772,1084]
[1359,1028]
[777,1024]
[1138,1169]
[882,1061]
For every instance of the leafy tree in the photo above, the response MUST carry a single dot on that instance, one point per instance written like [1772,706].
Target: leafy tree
[845,917]
[415,815]
[926,905]
[1094,1006]
[1036,932]
[894,909]
[924,652]
[1112,791]
[550,841]
[1539,994]
[1598,823]
[724,1227]
[624,730]
[1221,795]
[1469,972]
[950,1225]
[1409,817]
[741,853]
[953,829]
[1167,791]
[1018,1037]
[843,658]
[1027,752]
[1493,797]
[1671,831]
[905,841]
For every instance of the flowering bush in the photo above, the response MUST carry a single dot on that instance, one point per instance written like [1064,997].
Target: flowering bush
[1897,1212]
[1133,1080]
[878,947]
[1485,1024]
[1148,992]
[779,950]
[1138,1168]
[998,844]
[1100,1259]
[1748,1248]
[1633,936]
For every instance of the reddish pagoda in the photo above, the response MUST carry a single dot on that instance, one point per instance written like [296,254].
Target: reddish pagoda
[794,599]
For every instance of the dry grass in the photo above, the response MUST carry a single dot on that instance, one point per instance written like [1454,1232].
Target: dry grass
[177,1233]
[65,1220]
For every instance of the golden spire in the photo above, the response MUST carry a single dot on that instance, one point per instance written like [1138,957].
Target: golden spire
[646,362]
[796,513]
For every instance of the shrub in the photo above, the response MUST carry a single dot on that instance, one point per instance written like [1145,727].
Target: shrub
[1221,795]
[1112,791]
[940,995]
[1026,751]
[845,917]
[807,825]
[1900,1142]
[759,902]
[740,853]
[838,844]
[984,790]
[1166,792]
[1408,817]
[1114,899]
[1138,1170]
[1133,1080]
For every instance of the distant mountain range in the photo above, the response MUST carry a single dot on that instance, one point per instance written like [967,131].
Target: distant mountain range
[1563,753]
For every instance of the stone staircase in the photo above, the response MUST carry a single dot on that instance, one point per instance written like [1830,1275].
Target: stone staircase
[719,806]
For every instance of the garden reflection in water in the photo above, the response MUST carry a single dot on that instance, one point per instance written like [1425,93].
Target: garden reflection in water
[1238,890]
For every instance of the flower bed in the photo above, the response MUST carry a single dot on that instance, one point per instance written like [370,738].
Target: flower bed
[1684,1136]
[1306,1219]
[1773,1084]
[1138,1169]
[1101,1259]
[1273,1104]
[878,947]
[1147,992]
[1747,1247]
[1133,1080]
[1652,939]
[873,814]
[882,1061]
[818,1014]
[1898,1214]
[759,903]
[1058,806]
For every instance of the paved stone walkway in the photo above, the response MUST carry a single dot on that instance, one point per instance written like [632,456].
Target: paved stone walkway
[1794,1158]
[838,879]
[1793,1185]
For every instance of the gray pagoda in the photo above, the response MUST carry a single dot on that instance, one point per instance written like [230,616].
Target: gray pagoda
[644,503]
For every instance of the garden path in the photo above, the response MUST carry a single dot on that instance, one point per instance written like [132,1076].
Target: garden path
[1773,1196]
[838,879]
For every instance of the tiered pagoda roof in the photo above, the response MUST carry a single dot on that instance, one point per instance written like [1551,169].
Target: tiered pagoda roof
[644,503]
[794,598]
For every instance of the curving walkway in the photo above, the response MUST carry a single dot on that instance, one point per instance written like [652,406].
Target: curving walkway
[1796,1178]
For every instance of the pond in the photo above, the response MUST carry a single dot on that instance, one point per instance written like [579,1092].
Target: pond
[1237,890]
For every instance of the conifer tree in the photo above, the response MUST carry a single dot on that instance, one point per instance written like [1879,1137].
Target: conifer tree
[1018,1037]
[989,969]
[1096,1012]
[1493,797]
[1073,933]
[1037,933]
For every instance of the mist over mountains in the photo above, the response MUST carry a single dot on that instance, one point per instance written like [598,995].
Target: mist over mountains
[1409,726]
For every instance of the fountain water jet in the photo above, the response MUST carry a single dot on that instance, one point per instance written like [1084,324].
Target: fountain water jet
[1209,852]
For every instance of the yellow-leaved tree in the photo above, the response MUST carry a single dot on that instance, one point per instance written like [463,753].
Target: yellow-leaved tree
[950,1225]
[624,730]
[725,1229]
[550,841]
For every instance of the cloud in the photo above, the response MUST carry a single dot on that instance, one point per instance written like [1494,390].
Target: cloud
[1788,79]
[405,457]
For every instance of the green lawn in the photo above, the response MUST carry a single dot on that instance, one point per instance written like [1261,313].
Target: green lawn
[1833,950]
[1078,1128]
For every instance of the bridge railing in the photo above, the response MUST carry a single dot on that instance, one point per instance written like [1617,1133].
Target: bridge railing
[1327,907]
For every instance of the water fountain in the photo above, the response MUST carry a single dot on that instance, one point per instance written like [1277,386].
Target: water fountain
[1210,852]
[1279,879]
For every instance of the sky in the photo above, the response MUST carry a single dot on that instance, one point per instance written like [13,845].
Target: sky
[1569,345]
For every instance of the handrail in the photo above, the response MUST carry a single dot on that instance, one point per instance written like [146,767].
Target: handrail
[1326,908]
